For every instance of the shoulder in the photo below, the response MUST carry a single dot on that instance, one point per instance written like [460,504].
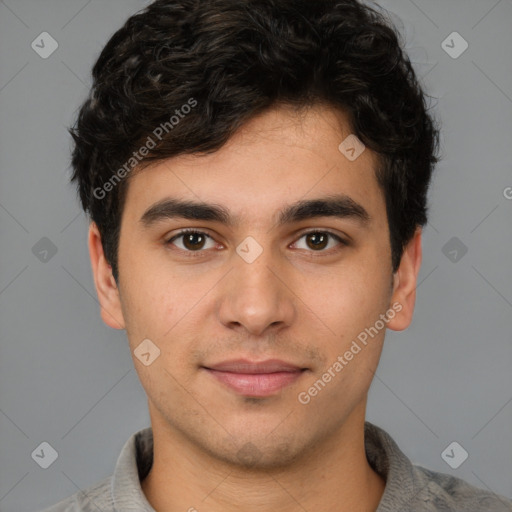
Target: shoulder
[412,487]
[92,499]
[444,492]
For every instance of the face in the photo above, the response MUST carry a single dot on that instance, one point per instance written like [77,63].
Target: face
[259,317]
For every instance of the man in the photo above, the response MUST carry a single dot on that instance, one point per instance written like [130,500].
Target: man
[256,175]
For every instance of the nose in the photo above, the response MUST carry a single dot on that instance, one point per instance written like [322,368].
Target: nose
[257,297]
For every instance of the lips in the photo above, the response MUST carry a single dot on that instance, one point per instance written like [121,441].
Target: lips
[255,379]
[245,366]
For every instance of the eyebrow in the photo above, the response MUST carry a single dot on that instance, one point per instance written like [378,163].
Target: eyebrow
[339,206]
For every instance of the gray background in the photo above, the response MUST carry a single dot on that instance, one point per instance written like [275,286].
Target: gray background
[67,379]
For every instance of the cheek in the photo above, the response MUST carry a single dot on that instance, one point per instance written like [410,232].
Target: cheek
[152,293]
[350,291]
[347,303]
[147,316]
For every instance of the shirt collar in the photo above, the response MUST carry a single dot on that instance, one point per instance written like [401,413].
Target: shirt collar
[386,458]
[132,466]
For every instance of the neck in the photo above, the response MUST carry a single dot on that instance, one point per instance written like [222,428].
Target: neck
[335,476]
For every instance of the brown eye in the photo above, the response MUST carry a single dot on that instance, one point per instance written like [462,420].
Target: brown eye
[317,241]
[192,241]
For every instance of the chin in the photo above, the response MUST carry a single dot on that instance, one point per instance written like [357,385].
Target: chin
[258,455]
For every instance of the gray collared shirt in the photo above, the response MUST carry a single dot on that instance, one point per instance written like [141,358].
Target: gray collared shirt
[409,488]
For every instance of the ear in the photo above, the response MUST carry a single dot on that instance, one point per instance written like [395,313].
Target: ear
[106,287]
[404,283]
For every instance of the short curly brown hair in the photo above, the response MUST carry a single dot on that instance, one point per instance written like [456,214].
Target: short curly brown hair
[232,60]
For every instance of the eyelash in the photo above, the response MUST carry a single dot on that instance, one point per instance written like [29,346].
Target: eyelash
[199,253]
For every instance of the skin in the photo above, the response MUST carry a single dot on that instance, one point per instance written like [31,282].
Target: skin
[295,302]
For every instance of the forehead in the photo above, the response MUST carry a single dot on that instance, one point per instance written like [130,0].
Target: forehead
[275,159]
